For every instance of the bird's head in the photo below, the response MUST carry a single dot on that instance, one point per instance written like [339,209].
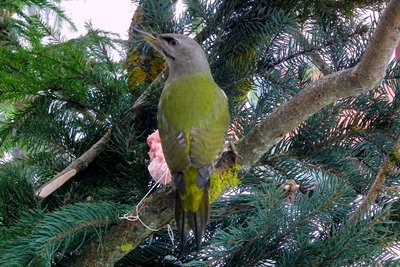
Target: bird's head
[182,53]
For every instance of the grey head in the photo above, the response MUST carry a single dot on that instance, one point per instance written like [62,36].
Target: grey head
[184,55]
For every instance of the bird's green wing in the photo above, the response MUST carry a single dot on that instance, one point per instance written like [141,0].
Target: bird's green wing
[207,138]
[174,145]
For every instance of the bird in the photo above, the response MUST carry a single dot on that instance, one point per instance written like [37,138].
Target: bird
[193,117]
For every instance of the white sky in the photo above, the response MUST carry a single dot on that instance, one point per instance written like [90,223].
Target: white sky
[114,16]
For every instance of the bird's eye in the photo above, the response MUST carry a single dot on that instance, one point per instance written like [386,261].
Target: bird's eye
[172,42]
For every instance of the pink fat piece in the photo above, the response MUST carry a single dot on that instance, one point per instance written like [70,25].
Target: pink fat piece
[158,167]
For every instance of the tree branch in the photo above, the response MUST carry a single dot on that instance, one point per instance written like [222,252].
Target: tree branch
[76,166]
[330,88]
[156,212]
[314,56]
[381,176]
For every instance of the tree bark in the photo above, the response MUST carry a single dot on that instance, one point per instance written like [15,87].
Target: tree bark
[156,211]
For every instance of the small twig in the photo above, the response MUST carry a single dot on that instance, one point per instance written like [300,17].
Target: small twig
[76,166]
[55,184]
[376,187]
[314,56]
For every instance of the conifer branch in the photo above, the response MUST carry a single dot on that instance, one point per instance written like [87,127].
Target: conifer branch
[381,176]
[330,88]
[86,158]
[358,3]
[308,49]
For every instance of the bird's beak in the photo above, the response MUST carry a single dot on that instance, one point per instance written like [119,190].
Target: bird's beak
[150,37]
[155,41]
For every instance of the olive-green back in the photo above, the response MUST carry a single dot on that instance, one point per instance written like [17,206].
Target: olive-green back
[192,118]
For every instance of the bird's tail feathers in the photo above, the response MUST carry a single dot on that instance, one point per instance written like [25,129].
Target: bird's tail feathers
[196,221]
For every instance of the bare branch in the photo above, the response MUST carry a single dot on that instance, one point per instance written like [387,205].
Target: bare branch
[56,183]
[314,56]
[76,166]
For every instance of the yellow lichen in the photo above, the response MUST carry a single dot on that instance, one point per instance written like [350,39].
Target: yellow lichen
[126,248]
[157,65]
[136,65]
[138,15]
[136,77]
[223,182]
[133,58]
